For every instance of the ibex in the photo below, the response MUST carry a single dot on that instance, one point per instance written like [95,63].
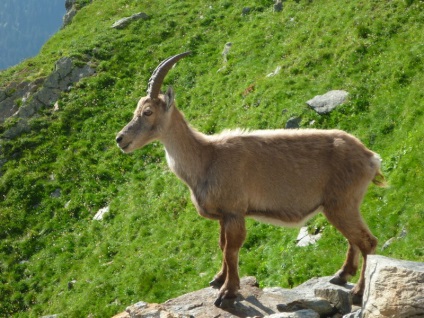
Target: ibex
[277,176]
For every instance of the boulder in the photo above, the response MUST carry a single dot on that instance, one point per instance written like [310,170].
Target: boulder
[394,288]
[324,104]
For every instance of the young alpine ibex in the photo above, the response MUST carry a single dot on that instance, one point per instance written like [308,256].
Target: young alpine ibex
[277,176]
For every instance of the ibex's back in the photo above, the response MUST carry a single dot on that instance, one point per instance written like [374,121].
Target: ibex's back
[286,174]
[277,176]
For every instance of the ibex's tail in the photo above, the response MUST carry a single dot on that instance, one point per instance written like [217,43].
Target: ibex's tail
[379,179]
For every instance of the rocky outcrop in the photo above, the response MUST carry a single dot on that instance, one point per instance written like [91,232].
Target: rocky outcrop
[315,298]
[71,10]
[25,99]
[394,289]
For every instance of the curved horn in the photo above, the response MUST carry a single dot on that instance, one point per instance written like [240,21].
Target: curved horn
[158,75]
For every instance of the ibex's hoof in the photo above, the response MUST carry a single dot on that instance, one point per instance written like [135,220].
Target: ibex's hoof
[356,297]
[216,283]
[337,280]
[223,302]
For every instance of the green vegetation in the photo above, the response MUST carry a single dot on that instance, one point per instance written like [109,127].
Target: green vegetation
[152,245]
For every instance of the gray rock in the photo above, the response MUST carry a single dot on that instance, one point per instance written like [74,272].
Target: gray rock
[324,104]
[251,302]
[293,123]
[322,306]
[48,96]
[64,66]
[7,109]
[66,73]
[339,296]
[341,299]
[69,4]
[19,128]
[53,80]
[79,73]
[304,313]
[72,8]
[29,109]
[124,22]
[394,288]
[56,193]
[69,16]
[33,98]
[245,11]
[3,95]
[304,238]
[354,314]
[278,6]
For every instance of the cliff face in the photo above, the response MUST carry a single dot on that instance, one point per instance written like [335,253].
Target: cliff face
[72,6]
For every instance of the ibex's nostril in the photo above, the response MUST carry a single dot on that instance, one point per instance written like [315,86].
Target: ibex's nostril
[118,139]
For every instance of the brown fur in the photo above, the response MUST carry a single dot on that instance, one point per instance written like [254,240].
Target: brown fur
[277,176]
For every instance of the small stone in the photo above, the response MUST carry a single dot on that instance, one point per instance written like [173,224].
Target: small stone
[394,288]
[100,214]
[245,11]
[293,123]
[278,6]
[304,238]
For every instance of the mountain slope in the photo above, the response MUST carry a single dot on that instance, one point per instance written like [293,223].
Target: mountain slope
[152,245]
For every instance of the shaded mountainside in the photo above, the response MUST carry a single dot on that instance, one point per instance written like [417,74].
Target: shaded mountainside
[151,245]
[25,26]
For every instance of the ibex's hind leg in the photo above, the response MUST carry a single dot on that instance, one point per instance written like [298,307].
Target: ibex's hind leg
[352,226]
[349,267]
[235,233]
[219,278]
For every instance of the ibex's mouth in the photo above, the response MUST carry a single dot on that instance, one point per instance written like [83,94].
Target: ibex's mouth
[124,148]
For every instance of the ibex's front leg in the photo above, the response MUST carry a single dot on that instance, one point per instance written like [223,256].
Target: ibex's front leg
[233,234]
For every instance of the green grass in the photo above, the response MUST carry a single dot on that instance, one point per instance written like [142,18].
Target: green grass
[152,245]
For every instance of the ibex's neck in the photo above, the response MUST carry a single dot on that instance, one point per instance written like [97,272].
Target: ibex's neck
[187,150]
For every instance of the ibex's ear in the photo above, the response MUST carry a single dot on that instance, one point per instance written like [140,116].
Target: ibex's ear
[169,97]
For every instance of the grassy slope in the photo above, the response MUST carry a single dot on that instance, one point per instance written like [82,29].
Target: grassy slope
[152,245]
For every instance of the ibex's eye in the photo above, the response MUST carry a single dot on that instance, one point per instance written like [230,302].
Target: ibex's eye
[147,112]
